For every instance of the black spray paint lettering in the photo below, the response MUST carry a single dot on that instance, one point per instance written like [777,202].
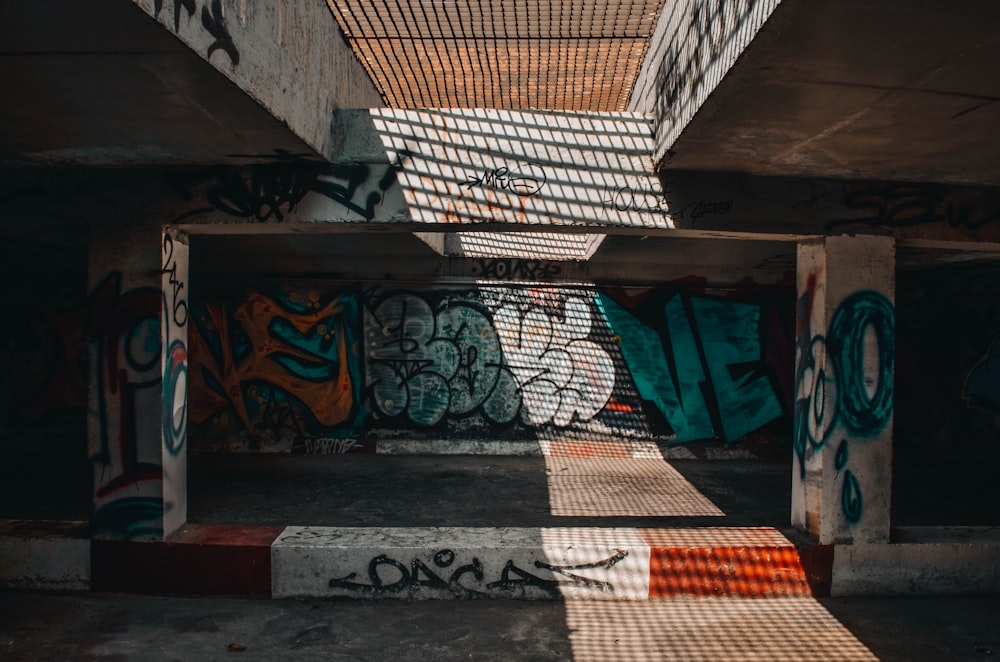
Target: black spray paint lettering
[525,184]
[513,268]
[213,20]
[189,5]
[512,580]
[640,198]
[178,304]
[707,208]
[215,23]
[275,189]
[906,205]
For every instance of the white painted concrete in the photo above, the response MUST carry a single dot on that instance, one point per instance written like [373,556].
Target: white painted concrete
[434,563]
[460,166]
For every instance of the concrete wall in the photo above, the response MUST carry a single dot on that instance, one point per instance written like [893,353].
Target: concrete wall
[284,365]
[291,57]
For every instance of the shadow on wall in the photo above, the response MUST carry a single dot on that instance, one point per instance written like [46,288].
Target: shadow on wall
[283,367]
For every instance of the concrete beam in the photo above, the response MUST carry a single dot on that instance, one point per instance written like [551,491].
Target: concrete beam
[103,84]
[695,44]
[881,90]
[291,57]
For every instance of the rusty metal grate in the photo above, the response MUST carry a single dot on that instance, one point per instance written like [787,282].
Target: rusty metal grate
[540,54]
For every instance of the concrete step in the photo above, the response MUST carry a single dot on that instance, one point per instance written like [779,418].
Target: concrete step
[556,563]
[536,564]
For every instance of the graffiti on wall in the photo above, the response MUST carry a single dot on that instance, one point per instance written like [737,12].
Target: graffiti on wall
[427,359]
[562,374]
[701,362]
[502,353]
[278,364]
[123,332]
[510,360]
[907,205]
[213,21]
[523,180]
[844,383]
[270,192]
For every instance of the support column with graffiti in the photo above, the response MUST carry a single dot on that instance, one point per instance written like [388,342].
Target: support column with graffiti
[844,371]
[137,416]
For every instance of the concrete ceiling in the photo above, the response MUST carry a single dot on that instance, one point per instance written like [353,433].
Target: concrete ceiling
[859,89]
[862,89]
[102,83]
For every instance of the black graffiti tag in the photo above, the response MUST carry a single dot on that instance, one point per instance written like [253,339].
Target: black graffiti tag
[517,268]
[505,179]
[513,579]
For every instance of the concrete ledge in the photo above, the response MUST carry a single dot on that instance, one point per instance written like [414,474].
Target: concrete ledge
[490,562]
[540,564]
[197,560]
[937,561]
[436,563]
[45,555]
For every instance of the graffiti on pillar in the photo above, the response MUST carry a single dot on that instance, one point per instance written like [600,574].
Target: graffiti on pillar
[175,361]
[701,362]
[277,365]
[123,332]
[213,21]
[839,387]
[270,192]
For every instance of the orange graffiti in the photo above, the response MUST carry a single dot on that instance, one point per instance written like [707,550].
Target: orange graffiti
[329,401]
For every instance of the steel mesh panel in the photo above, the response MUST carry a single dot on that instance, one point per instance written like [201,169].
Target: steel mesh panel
[475,54]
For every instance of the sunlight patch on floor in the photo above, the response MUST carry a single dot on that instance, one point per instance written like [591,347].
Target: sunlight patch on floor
[710,629]
[622,486]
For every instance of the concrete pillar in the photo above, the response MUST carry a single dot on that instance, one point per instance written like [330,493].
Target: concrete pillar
[137,413]
[844,364]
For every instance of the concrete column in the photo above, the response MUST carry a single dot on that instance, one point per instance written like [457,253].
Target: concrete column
[844,364]
[137,413]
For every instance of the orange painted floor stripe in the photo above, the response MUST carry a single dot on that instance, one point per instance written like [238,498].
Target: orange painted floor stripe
[726,571]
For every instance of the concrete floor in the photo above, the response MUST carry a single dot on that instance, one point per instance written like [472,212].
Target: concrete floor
[367,489]
[389,490]
[35,626]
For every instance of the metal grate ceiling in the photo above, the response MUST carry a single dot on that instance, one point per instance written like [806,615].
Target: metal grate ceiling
[533,54]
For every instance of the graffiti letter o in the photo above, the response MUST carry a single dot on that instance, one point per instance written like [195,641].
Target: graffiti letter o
[860,412]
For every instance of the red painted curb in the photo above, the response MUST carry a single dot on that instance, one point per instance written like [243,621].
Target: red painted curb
[198,560]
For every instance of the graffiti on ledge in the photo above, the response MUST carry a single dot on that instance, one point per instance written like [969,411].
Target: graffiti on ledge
[388,576]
